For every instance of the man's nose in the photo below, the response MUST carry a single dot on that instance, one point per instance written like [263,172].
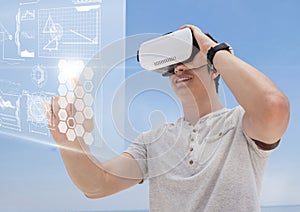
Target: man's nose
[179,70]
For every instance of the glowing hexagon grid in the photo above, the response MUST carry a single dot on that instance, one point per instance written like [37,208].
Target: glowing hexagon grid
[88,99]
[62,114]
[79,105]
[62,102]
[62,127]
[71,135]
[79,118]
[79,130]
[88,138]
[77,94]
[62,90]
[88,86]
[88,113]
[88,73]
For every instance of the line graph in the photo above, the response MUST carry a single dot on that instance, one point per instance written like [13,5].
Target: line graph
[5,104]
[9,106]
[28,15]
[69,32]
[91,40]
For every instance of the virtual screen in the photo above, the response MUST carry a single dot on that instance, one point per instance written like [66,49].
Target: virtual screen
[53,48]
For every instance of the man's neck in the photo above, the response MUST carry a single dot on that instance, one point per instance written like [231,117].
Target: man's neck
[194,110]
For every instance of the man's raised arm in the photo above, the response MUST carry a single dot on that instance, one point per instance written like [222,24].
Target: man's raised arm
[266,107]
[93,178]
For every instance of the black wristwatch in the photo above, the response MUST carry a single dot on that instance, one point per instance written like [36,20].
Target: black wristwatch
[213,50]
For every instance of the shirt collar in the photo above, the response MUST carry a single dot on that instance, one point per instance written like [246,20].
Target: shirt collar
[183,122]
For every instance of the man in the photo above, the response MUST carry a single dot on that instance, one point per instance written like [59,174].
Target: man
[212,159]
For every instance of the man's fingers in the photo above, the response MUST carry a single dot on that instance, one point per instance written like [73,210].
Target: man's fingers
[55,106]
[70,110]
[192,27]
[204,41]
[47,108]
[65,121]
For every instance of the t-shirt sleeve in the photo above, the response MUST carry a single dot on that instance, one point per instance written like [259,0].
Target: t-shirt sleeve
[138,150]
[253,145]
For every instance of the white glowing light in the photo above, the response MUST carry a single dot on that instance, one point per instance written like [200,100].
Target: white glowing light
[71,68]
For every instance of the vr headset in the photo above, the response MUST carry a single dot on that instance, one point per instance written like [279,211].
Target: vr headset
[163,53]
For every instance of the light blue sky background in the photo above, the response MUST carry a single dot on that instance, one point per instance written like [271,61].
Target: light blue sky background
[263,33]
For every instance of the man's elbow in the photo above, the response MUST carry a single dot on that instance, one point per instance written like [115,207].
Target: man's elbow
[95,190]
[276,114]
[95,195]
[278,109]
[99,193]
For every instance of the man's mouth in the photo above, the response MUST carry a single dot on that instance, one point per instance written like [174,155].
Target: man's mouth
[183,79]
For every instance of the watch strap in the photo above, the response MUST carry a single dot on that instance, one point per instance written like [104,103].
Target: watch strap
[213,50]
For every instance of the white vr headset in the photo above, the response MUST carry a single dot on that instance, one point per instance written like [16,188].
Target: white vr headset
[163,53]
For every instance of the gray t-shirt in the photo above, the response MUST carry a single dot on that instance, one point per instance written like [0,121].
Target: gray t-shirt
[212,166]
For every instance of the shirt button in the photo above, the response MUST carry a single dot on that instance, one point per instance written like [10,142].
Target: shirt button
[191,162]
[191,149]
[194,130]
[220,134]
[192,139]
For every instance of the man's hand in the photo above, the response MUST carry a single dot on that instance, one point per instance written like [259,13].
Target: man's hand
[93,178]
[204,42]
[52,110]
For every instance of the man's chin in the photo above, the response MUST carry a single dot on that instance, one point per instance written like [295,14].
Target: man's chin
[182,89]
[182,85]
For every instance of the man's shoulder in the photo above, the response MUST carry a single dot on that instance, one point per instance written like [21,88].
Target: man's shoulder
[225,115]
[235,113]
[160,129]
